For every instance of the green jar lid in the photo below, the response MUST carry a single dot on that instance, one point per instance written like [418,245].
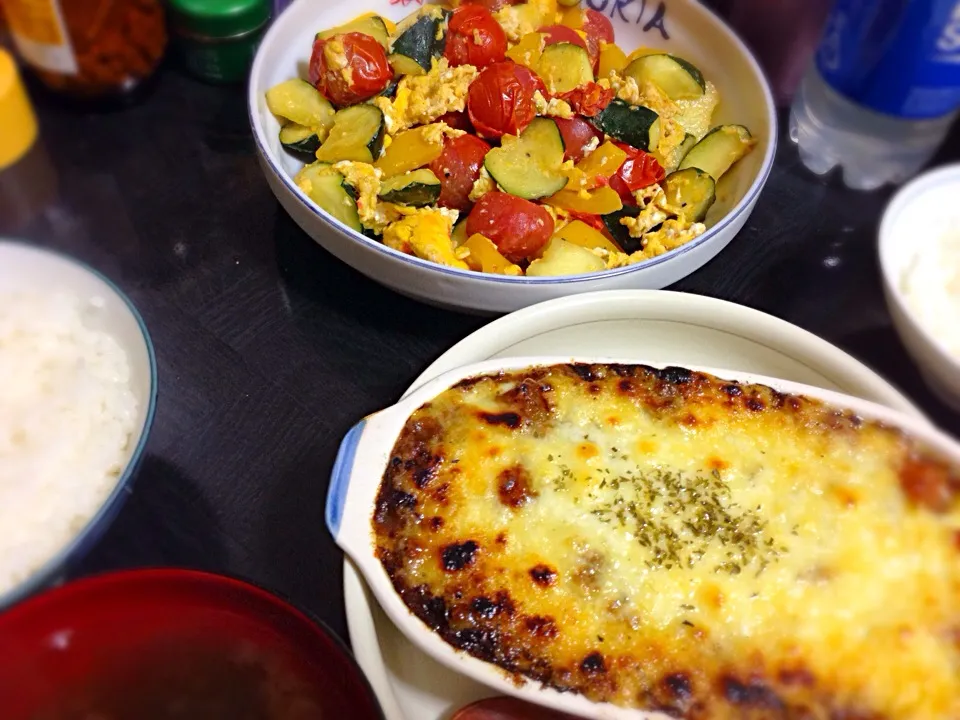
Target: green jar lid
[219,18]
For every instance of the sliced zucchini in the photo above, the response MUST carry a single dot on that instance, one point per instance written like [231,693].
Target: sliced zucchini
[419,38]
[300,139]
[719,149]
[326,187]
[564,66]
[416,188]
[692,190]
[298,101]
[633,124]
[561,257]
[619,233]
[459,235]
[371,24]
[672,160]
[675,76]
[403,65]
[357,135]
[696,116]
[529,166]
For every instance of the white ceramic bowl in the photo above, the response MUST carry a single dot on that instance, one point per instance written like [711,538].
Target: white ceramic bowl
[920,214]
[364,456]
[25,267]
[694,33]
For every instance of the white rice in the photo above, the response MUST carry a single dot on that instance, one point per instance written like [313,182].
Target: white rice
[66,418]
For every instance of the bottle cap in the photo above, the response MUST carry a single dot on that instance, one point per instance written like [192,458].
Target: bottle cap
[219,18]
[16,114]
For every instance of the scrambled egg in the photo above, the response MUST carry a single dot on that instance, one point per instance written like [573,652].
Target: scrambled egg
[482,185]
[365,180]
[675,230]
[437,132]
[560,217]
[518,20]
[425,232]
[421,99]
[335,55]
[672,234]
[649,218]
[555,107]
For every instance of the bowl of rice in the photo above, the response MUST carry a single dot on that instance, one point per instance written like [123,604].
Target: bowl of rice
[76,404]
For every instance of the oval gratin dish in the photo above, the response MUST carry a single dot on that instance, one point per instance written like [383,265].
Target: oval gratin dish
[364,504]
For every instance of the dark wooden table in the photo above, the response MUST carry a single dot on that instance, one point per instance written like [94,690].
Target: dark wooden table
[269,349]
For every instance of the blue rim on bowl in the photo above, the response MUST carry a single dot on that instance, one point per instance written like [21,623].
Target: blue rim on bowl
[95,527]
[749,197]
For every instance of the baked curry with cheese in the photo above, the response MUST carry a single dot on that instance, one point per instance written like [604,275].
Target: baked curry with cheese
[669,541]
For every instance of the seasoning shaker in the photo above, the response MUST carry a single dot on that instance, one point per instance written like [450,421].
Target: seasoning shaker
[217,39]
[89,48]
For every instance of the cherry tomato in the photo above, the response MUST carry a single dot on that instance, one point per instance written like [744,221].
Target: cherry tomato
[316,62]
[353,68]
[597,27]
[562,34]
[554,34]
[457,119]
[474,37]
[500,99]
[576,133]
[458,167]
[639,170]
[518,227]
[588,99]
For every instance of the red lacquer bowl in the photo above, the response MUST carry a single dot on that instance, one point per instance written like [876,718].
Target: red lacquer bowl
[150,643]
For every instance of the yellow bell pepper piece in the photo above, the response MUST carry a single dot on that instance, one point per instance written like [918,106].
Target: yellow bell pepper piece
[612,59]
[579,233]
[484,257]
[527,52]
[546,10]
[602,162]
[409,150]
[572,17]
[601,201]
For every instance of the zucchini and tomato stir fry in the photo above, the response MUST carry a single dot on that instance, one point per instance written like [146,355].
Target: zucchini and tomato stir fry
[516,139]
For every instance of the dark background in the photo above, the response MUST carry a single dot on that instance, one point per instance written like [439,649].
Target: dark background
[269,349]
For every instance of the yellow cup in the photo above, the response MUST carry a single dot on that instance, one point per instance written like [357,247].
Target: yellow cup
[18,124]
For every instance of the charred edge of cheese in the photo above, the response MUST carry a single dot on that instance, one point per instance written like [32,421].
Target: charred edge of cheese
[484,609]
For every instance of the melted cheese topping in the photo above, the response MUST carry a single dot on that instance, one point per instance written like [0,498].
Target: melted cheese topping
[672,541]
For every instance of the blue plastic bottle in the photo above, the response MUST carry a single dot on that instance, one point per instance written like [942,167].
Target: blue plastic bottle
[883,90]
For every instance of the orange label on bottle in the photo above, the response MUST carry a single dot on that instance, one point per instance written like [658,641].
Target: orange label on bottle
[38,30]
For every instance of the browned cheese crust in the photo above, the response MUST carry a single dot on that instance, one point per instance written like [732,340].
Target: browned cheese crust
[667,540]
